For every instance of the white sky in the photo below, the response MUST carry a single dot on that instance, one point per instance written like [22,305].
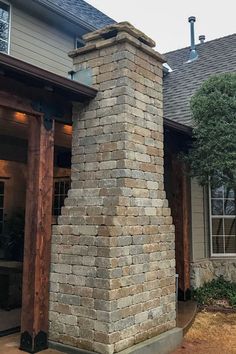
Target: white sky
[167,21]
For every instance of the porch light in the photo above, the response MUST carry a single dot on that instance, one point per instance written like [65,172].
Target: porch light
[67,129]
[20,117]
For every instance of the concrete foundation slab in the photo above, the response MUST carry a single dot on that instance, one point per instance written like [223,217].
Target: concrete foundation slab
[165,343]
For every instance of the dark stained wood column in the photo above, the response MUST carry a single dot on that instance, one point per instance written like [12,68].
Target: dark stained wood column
[178,191]
[37,248]
[186,205]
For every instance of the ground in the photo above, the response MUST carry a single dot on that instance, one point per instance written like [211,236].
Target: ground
[211,333]
[10,345]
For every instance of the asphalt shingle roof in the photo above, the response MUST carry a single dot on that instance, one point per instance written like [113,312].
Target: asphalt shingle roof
[83,11]
[215,57]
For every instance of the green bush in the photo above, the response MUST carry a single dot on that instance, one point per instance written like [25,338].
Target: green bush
[213,152]
[217,289]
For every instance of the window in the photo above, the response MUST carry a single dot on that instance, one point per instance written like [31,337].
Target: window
[1,206]
[79,43]
[61,187]
[223,221]
[4,27]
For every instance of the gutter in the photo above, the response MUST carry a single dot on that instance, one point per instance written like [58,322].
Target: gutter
[77,90]
[178,126]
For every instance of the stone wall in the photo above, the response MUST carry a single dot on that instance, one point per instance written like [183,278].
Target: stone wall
[205,270]
[113,266]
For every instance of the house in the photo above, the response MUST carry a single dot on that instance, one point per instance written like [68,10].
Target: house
[40,33]
[103,278]
[99,241]
[207,250]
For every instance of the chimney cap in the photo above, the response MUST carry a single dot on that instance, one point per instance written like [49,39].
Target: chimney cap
[192,19]
[202,38]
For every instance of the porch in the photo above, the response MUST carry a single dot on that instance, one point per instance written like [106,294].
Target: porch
[35,158]
[14,139]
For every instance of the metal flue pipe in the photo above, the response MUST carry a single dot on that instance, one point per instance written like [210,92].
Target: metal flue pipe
[193,53]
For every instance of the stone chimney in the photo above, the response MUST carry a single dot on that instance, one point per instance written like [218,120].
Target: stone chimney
[113,271]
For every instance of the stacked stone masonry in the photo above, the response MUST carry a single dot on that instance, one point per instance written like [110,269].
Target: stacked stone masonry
[205,270]
[113,256]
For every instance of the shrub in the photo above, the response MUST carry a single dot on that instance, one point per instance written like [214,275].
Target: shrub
[217,289]
[213,153]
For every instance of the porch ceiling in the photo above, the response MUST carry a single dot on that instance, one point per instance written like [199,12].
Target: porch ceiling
[26,73]
[16,125]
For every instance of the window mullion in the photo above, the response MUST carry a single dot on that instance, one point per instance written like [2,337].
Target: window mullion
[219,246]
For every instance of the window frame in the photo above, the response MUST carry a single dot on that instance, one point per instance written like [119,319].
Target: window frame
[9,31]
[55,180]
[212,254]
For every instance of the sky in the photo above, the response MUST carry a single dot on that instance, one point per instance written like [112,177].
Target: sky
[167,21]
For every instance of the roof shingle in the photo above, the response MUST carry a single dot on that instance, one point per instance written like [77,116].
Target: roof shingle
[215,57]
[83,11]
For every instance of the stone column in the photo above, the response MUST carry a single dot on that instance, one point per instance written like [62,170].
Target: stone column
[113,271]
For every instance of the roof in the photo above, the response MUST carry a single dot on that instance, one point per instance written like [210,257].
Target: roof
[215,57]
[45,80]
[80,10]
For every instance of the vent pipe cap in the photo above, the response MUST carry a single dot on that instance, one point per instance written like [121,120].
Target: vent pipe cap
[202,38]
[192,19]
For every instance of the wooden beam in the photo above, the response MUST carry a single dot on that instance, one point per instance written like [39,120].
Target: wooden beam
[178,127]
[17,98]
[16,103]
[37,248]
[178,190]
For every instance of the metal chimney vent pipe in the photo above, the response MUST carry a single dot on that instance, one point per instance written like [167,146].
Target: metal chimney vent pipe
[202,38]
[193,53]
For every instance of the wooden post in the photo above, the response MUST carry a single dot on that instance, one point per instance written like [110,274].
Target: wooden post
[186,230]
[181,212]
[37,248]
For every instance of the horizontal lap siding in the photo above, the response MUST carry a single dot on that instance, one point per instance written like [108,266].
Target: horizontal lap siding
[199,229]
[40,44]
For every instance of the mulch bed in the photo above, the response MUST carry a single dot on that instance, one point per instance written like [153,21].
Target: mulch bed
[214,308]
[211,333]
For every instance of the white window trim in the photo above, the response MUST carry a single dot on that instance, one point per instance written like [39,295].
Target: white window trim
[212,254]
[10,18]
